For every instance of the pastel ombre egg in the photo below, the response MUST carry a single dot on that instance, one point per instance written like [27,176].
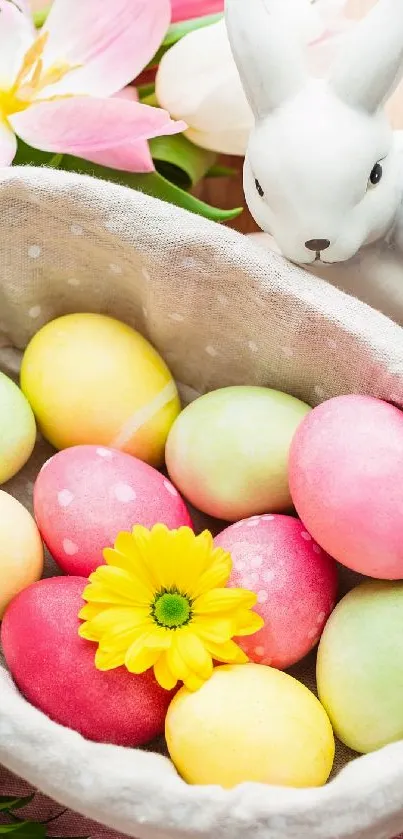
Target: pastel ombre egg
[91,379]
[360,666]
[346,467]
[295,583]
[21,550]
[228,451]
[84,496]
[250,723]
[54,669]
[17,429]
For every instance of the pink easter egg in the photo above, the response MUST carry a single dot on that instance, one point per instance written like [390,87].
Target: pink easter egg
[84,496]
[346,480]
[54,669]
[295,583]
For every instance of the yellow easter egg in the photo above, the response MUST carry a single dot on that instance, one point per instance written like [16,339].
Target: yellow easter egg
[21,550]
[250,723]
[17,429]
[91,379]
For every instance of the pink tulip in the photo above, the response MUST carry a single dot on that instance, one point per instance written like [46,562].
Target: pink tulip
[187,9]
[58,89]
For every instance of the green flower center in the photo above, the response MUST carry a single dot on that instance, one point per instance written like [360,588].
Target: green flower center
[171,609]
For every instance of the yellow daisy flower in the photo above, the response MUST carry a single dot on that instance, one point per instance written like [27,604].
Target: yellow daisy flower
[160,602]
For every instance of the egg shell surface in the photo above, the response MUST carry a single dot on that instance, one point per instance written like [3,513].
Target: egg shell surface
[360,666]
[295,582]
[92,379]
[346,467]
[250,723]
[54,669]
[86,495]
[17,429]
[228,451]
[21,549]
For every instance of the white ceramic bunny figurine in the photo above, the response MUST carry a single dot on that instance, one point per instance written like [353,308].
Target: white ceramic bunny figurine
[324,171]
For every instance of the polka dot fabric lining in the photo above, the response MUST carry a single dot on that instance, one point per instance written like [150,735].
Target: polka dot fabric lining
[221,312]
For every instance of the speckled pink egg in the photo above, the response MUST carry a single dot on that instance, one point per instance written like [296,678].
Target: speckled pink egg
[54,669]
[84,496]
[295,583]
[345,472]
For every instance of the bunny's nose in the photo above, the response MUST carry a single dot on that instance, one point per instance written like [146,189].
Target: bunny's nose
[317,245]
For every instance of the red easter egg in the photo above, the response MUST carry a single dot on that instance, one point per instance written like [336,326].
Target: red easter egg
[84,496]
[54,669]
[345,472]
[295,583]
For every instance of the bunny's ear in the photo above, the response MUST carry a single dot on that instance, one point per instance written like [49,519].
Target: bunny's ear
[269,58]
[370,63]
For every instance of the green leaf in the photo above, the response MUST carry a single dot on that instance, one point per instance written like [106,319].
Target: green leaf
[145,91]
[180,161]
[218,171]
[25,830]
[7,803]
[34,157]
[152,184]
[177,31]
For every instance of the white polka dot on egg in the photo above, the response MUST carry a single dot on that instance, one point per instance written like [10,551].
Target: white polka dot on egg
[316,548]
[268,575]
[260,651]
[306,536]
[256,562]
[124,493]
[321,617]
[65,497]
[104,453]
[262,596]
[254,522]
[267,517]
[70,548]
[34,251]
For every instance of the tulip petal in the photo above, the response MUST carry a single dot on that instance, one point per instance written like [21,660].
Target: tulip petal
[16,36]
[8,145]
[95,129]
[188,9]
[198,79]
[111,41]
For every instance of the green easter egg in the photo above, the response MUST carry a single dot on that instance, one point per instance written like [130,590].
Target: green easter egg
[17,429]
[360,666]
[227,452]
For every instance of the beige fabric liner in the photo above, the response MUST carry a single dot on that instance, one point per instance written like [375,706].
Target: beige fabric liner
[221,312]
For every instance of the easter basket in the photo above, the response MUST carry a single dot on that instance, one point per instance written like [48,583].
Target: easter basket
[221,312]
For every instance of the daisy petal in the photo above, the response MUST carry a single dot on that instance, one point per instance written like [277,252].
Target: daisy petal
[91,610]
[8,144]
[228,653]
[145,651]
[98,593]
[111,43]
[176,663]
[119,582]
[224,599]
[247,622]
[16,36]
[109,660]
[216,575]
[130,558]
[194,653]
[163,674]
[193,682]
[214,628]
[116,621]
[84,127]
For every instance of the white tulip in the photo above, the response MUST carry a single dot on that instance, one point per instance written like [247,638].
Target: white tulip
[199,79]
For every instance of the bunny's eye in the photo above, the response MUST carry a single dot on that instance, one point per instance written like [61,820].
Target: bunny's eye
[376,175]
[259,188]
